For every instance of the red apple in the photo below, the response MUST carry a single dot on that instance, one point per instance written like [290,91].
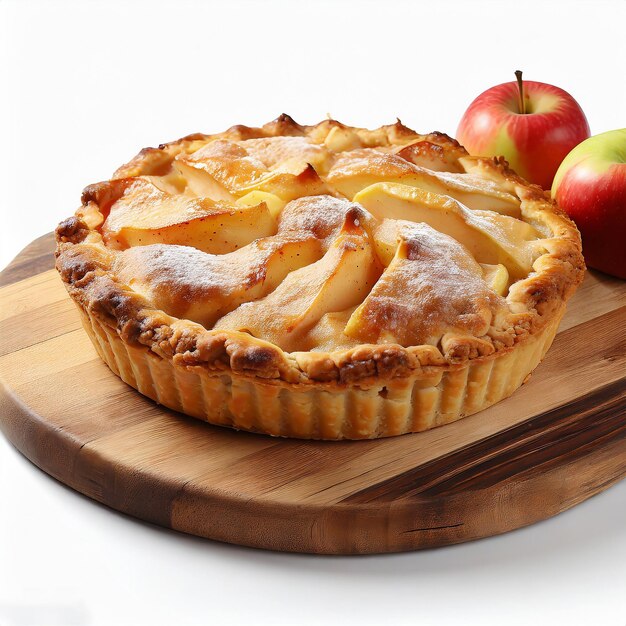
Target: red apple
[590,186]
[533,125]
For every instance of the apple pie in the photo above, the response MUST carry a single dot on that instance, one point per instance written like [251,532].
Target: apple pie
[323,282]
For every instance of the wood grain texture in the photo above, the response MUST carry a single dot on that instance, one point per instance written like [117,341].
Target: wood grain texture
[557,441]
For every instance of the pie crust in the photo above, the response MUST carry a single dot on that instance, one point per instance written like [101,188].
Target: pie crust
[324,282]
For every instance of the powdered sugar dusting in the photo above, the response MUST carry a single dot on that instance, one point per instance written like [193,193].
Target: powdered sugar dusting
[321,215]
[432,286]
[186,282]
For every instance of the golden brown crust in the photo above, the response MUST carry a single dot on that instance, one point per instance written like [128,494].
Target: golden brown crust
[86,268]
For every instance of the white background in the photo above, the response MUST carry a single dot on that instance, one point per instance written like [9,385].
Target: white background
[83,86]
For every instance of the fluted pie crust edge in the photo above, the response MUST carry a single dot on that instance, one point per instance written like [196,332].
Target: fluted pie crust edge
[231,378]
[429,397]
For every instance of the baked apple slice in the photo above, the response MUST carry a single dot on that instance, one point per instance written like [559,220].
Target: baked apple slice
[143,214]
[254,198]
[362,168]
[323,216]
[341,138]
[417,299]
[224,170]
[387,239]
[291,180]
[327,334]
[190,284]
[497,277]
[490,237]
[220,164]
[338,281]
[199,184]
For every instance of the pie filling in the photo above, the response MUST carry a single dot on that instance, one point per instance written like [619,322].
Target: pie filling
[321,242]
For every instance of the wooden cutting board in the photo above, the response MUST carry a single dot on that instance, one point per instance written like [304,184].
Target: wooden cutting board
[557,441]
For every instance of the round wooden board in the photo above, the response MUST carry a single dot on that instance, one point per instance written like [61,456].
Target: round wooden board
[559,440]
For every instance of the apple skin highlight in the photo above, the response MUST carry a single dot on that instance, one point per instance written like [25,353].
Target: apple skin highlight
[535,142]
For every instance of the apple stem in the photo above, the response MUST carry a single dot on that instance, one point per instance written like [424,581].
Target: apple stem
[520,88]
